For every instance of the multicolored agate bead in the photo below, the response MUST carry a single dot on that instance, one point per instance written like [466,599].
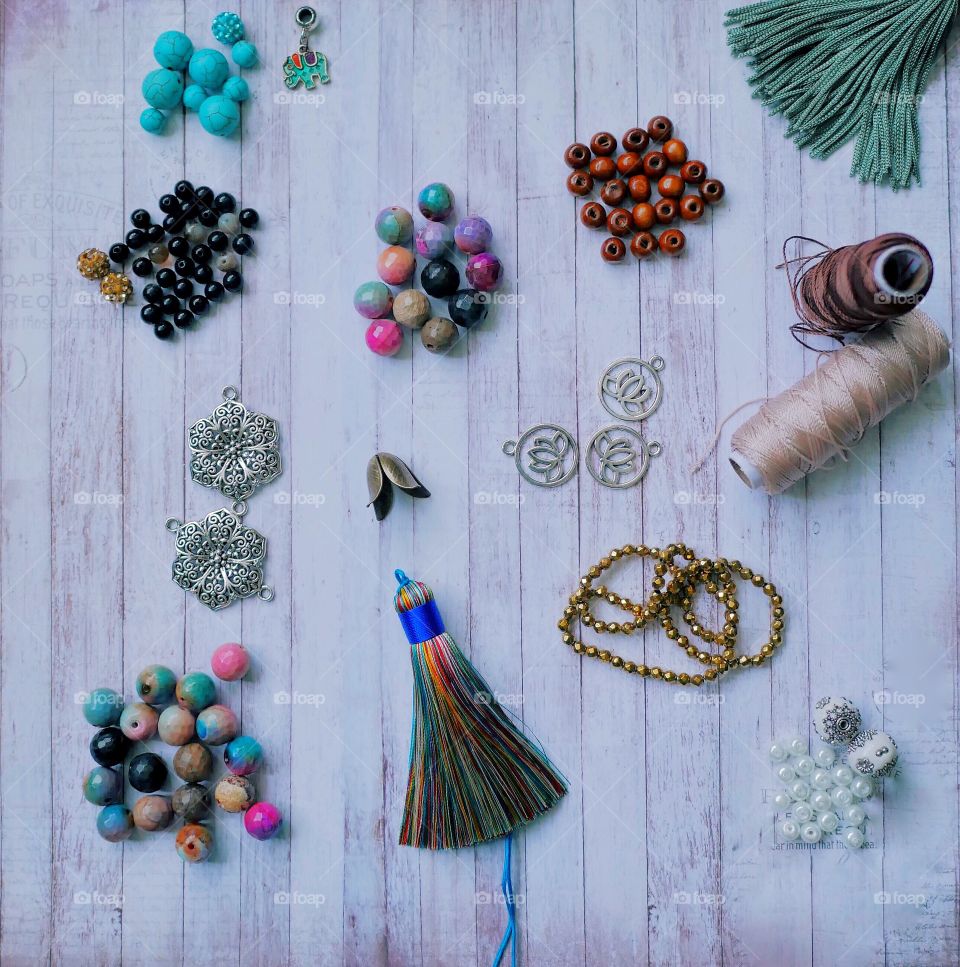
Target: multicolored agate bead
[147,772]
[231,661]
[138,722]
[93,264]
[193,762]
[176,725]
[156,685]
[102,707]
[483,271]
[396,264]
[433,240]
[373,300]
[217,725]
[473,235]
[116,287]
[109,746]
[262,820]
[384,337]
[243,755]
[196,691]
[115,823]
[191,802]
[435,201]
[194,843]
[103,786]
[411,308]
[151,813]
[234,794]
[394,225]
[438,334]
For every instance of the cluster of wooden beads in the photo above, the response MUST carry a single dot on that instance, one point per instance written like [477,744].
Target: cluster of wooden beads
[677,574]
[632,174]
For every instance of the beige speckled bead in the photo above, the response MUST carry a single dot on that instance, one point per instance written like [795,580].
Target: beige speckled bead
[234,794]
[438,334]
[411,308]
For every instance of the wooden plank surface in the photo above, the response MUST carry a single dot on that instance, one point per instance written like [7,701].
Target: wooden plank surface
[664,850]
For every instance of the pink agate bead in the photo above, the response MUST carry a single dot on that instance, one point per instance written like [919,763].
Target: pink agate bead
[384,337]
[230,661]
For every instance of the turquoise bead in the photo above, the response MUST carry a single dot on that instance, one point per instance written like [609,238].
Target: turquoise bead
[115,823]
[435,201]
[220,116]
[227,28]
[208,68]
[156,685]
[153,121]
[243,755]
[102,707]
[193,96]
[236,88]
[162,88]
[173,49]
[195,691]
[245,54]
[103,786]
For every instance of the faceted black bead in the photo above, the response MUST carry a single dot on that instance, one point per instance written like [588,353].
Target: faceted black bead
[170,305]
[439,278]
[213,291]
[136,238]
[243,243]
[184,266]
[225,202]
[199,304]
[166,278]
[183,289]
[233,281]
[468,307]
[151,313]
[203,274]
[249,218]
[208,217]
[153,293]
[200,253]
[178,246]
[155,233]
[140,218]
[119,253]
[183,189]
[204,195]
[183,319]
[218,241]
[142,267]
[109,746]
[169,204]
[147,772]
[163,330]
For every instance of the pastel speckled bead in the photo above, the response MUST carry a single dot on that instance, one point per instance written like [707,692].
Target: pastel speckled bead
[243,755]
[191,802]
[195,691]
[483,271]
[193,762]
[138,722]
[411,308]
[373,300]
[473,235]
[262,820]
[194,843]
[217,725]
[103,786]
[156,685]
[433,240]
[176,725]
[102,707]
[231,661]
[384,337]
[234,794]
[435,201]
[151,813]
[115,823]
[394,225]
[395,265]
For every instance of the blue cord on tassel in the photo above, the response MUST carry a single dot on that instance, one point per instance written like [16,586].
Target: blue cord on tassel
[510,933]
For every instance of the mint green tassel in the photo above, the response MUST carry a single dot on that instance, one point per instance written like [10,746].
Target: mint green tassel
[843,68]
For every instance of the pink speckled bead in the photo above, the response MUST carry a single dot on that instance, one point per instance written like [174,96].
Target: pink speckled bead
[384,337]
[483,271]
[230,662]
[396,264]
[262,820]
[138,722]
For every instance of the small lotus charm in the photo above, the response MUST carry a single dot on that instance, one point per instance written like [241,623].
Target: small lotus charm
[619,457]
[545,455]
[383,471]
[631,389]
[305,66]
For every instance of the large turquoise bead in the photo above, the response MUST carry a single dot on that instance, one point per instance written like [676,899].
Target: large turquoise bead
[102,707]
[195,691]
[156,685]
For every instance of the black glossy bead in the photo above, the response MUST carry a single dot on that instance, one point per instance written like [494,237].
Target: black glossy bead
[213,291]
[142,267]
[200,253]
[178,246]
[204,195]
[119,253]
[439,278]
[189,210]
[218,241]
[183,289]
[140,218]
[170,305]
[169,204]
[153,293]
[163,330]
[173,223]
[151,313]
[155,233]
[468,307]
[233,281]
[166,278]
[203,274]
[208,217]
[109,746]
[183,319]
[243,244]
[199,304]
[249,217]
[224,202]
[184,266]
[183,189]
[136,238]
[147,772]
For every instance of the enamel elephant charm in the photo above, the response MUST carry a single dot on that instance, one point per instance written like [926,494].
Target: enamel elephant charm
[305,66]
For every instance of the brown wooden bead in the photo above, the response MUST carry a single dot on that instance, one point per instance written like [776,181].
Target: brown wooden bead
[577,155]
[693,172]
[643,244]
[630,163]
[580,182]
[712,191]
[675,150]
[672,241]
[654,164]
[666,209]
[593,214]
[670,186]
[644,216]
[613,192]
[603,169]
[636,139]
[660,128]
[603,144]
[619,222]
[691,208]
[639,188]
[613,250]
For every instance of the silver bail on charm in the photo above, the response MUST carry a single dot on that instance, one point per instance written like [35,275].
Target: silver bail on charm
[306,18]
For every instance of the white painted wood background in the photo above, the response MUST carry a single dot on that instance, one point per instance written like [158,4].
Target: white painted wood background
[663,852]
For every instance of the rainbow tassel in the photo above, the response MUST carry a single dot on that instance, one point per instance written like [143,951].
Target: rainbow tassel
[473,775]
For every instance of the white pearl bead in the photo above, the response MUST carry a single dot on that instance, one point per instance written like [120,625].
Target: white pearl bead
[862,787]
[810,833]
[854,815]
[825,757]
[789,829]
[842,775]
[798,747]
[828,822]
[853,838]
[799,790]
[786,774]
[803,766]
[782,801]
[841,796]
[778,752]
[821,779]
[821,801]
[802,812]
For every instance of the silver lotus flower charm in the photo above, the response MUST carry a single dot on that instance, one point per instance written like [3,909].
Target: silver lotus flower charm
[219,558]
[383,472]
[631,389]
[545,455]
[234,449]
[617,456]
